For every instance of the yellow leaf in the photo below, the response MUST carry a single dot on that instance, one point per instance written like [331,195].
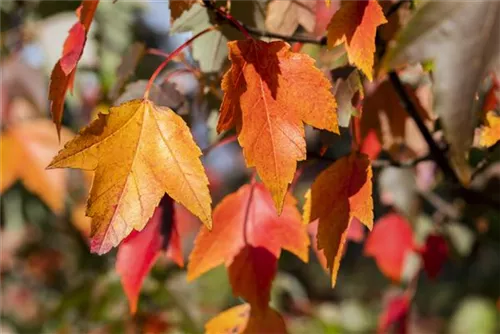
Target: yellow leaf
[490,134]
[139,152]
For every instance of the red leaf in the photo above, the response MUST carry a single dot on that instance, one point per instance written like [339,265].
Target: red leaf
[139,251]
[396,313]
[434,255]
[73,48]
[371,145]
[389,243]
[63,74]
[251,274]
[248,236]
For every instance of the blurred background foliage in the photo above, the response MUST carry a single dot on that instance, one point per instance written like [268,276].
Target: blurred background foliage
[51,283]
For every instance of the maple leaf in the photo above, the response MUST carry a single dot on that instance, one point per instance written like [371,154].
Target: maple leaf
[340,193]
[284,17]
[269,92]
[434,254]
[248,236]
[490,133]
[389,243]
[455,36]
[177,7]
[63,74]
[26,149]
[139,250]
[139,152]
[355,24]
[355,233]
[242,319]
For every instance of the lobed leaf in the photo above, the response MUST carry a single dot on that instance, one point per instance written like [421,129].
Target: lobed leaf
[139,152]
[269,93]
[355,24]
[340,193]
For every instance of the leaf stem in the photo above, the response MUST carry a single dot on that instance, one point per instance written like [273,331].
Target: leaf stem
[172,56]
[224,14]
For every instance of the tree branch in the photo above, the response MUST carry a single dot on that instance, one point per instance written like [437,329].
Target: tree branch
[437,154]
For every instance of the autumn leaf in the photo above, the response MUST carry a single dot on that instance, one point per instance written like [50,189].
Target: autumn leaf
[384,115]
[177,7]
[139,152]
[452,35]
[389,243]
[434,255]
[242,319]
[63,74]
[490,133]
[26,149]
[284,17]
[355,24]
[395,314]
[139,250]
[269,92]
[355,233]
[340,193]
[349,92]
[248,236]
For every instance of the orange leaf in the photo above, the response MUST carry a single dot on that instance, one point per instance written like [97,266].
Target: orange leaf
[248,235]
[242,319]
[355,24]
[340,193]
[177,7]
[139,251]
[63,74]
[389,243]
[26,149]
[139,152]
[490,133]
[269,92]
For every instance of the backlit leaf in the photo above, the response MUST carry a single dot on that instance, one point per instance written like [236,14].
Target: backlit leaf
[247,236]
[177,7]
[355,24]
[461,38]
[139,152]
[269,93]
[26,149]
[284,17]
[389,243]
[138,252]
[340,193]
[63,74]
[490,133]
[243,319]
